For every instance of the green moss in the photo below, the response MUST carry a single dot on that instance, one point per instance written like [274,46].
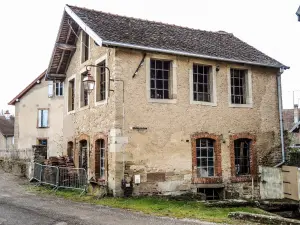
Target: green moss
[156,206]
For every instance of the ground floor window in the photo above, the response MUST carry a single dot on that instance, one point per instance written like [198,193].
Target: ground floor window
[242,156]
[42,142]
[205,157]
[100,159]
[70,149]
[83,154]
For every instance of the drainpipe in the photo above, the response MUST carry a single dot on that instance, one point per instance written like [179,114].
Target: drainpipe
[280,116]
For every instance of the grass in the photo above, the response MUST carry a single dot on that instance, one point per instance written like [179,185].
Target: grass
[156,206]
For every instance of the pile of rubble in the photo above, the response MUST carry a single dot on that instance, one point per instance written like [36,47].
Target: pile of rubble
[61,161]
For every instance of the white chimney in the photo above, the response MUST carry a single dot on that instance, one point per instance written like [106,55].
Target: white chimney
[296,114]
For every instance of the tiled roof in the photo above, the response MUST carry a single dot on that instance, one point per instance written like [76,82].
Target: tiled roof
[115,29]
[6,126]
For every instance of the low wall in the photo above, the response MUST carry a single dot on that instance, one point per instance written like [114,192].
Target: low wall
[16,167]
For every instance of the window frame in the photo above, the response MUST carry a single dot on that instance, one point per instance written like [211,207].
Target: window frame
[173,78]
[105,101]
[73,77]
[61,88]
[213,84]
[248,79]
[217,178]
[38,122]
[253,157]
[82,91]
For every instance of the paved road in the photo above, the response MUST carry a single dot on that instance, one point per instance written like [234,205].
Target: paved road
[19,207]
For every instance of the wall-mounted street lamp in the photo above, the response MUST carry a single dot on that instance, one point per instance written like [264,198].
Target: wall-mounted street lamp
[89,81]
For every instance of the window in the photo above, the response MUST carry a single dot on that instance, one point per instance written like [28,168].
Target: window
[84,97]
[42,118]
[59,88]
[42,142]
[205,157]
[160,79]
[242,156]
[238,81]
[71,95]
[85,47]
[100,158]
[83,154]
[101,82]
[50,89]
[70,149]
[202,88]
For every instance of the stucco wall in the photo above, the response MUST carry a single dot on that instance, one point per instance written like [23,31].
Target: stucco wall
[26,119]
[6,142]
[166,144]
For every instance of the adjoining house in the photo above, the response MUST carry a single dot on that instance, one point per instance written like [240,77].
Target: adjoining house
[173,109]
[291,124]
[6,131]
[39,115]
[298,13]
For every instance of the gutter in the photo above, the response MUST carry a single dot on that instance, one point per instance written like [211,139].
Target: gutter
[280,116]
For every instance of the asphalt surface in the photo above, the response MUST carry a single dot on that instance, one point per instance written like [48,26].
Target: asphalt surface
[20,207]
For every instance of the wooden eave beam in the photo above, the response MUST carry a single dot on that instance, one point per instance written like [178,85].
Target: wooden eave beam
[59,76]
[64,46]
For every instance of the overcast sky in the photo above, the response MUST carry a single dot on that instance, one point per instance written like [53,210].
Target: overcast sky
[29,30]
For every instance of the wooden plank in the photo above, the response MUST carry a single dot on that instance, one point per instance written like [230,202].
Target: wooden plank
[290,182]
[57,75]
[64,46]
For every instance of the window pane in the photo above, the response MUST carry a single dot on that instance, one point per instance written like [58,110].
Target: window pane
[242,156]
[238,86]
[205,157]
[201,82]
[210,171]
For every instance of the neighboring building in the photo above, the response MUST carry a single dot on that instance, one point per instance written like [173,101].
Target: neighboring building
[6,132]
[181,109]
[298,13]
[39,115]
[292,124]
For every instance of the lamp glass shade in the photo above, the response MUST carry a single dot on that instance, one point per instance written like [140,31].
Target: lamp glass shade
[88,83]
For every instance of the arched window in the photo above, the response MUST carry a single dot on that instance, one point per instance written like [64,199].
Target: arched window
[83,154]
[100,158]
[242,156]
[205,157]
[70,149]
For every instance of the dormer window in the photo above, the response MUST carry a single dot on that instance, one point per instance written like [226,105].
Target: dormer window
[85,47]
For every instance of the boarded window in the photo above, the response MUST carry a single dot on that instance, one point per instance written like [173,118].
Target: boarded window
[201,83]
[43,118]
[238,86]
[160,79]
[71,95]
[100,159]
[101,82]
[85,47]
[242,156]
[205,157]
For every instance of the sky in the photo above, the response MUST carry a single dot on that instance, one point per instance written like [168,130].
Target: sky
[29,30]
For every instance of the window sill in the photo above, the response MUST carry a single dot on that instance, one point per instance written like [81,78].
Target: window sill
[70,112]
[207,180]
[242,178]
[166,101]
[42,127]
[83,108]
[203,103]
[241,105]
[103,102]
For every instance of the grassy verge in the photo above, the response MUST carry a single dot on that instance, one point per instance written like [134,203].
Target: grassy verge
[156,206]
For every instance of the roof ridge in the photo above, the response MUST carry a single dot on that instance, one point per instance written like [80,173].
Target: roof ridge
[153,21]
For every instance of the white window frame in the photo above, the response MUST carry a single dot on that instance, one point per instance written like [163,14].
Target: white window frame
[80,89]
[213,84]
[81,47]
[249,98]
[63,88]
[73,77]
[39,122]
[105,101]
[173,90]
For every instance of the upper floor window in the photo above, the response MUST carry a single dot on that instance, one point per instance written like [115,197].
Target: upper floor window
[202,83]
[71,95]
[42,118]
[240,86]
[85,47]
[242,156]
[59,88]
[84,96]
[101,82]
[205,157]
[160,79]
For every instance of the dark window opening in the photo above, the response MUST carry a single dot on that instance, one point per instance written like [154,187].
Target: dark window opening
[43,142]
[211,193]
[70,149]
[101,82]
[84,93]
[85,46]
[238,86]
[59,88]
[100,159]
[205,157]
[83,154]
[160,72]
[71,97]
[201,83]
[242,156]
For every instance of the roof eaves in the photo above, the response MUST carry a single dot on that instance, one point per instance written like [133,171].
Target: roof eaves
[22,93]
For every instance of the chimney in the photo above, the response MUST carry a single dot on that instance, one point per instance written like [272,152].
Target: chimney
[296,114]
[7,115]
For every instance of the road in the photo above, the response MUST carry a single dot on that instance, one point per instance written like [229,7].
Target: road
[20,207]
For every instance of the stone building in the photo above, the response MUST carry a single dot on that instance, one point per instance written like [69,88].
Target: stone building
[39,115]
[173,109]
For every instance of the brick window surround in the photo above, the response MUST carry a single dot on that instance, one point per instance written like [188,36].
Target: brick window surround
[81,137]
[92,157]
[217,160]
[253,160]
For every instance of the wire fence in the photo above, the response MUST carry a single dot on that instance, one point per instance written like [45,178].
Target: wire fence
[17,154]
[61,177]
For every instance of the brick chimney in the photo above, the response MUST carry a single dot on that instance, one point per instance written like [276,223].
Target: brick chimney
[296,114]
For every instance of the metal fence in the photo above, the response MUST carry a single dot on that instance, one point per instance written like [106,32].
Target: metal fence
[61,177]
[17,154]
